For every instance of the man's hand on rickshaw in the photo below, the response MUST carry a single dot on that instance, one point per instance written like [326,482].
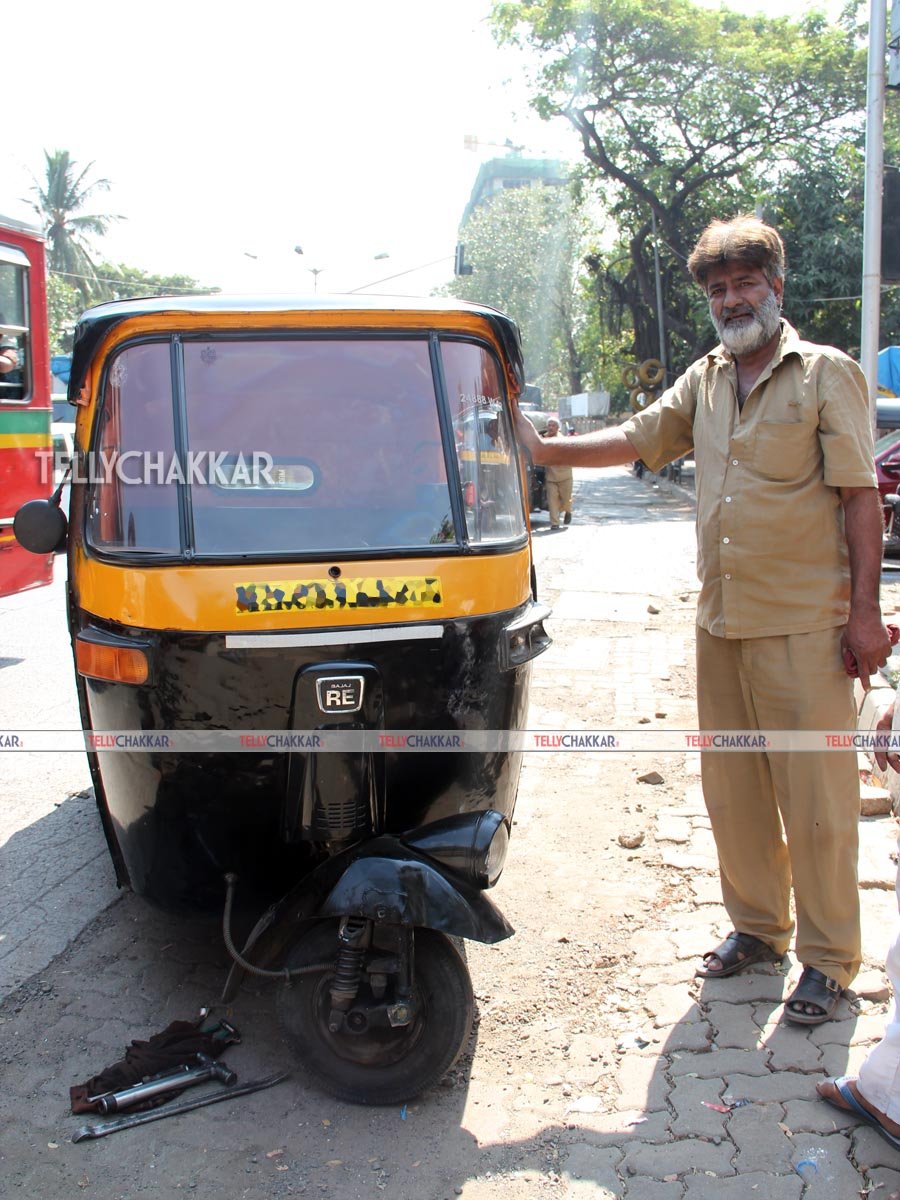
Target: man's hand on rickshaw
[528,437]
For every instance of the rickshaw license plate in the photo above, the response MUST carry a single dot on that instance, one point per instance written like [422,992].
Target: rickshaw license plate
[340,693]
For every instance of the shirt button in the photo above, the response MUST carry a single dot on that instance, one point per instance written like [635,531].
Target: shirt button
[734,462]
[727,499]
[726,540]
[727,576]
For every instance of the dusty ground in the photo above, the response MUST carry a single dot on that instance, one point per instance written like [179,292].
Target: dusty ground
[595,1056]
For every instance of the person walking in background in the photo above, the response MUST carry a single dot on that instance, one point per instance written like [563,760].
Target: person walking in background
[559,484]
[789,532]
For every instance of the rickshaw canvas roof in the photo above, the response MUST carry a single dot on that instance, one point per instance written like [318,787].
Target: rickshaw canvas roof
[96,322]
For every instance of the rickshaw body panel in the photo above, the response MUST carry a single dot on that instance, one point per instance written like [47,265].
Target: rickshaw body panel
[177,822]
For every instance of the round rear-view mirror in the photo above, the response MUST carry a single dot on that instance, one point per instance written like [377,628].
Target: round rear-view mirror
[40,526]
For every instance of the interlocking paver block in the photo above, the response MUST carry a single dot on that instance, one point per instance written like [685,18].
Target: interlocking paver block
[642,1082]
[838,1031]
[671,973]
[677,1158]
[619,1128]
[668,1003]
[651,946]
[882,1182]
[720,1064]
[815,1116]
[649,1189]
[841,1060]
[590,1172]
[689,1099]
[692,942]
[694,1035]
[776,1088]
[824,1167]
[791,1050]
[734,1026]
[871,1150]
[762,1144]
[756,1186]
[751,985]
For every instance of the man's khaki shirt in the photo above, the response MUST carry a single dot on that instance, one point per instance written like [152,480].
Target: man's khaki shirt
[771,552]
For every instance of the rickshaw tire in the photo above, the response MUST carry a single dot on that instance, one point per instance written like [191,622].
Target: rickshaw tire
[437,1036]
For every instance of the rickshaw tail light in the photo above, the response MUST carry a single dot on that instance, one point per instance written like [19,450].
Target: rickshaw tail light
[118,664]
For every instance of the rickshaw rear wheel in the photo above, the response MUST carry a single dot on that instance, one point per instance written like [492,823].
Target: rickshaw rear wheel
[379,1065]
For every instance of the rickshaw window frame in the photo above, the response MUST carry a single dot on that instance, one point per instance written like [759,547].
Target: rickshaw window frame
[461,546]
[128,555]
[479,547]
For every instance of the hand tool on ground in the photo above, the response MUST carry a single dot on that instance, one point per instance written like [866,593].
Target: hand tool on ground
[157,1114]
[165,1081]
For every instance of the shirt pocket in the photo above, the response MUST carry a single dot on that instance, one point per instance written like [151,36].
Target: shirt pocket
[786,450]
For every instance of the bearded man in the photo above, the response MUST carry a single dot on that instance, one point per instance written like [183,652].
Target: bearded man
[789,532]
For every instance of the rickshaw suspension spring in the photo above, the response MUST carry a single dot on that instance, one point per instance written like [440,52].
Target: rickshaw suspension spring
[348,970]
[286,973]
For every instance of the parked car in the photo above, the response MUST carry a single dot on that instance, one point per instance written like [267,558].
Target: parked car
[887,471]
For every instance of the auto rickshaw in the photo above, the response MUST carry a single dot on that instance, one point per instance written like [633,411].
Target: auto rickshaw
[290,522]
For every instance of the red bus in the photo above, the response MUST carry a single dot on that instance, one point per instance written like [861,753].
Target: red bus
[25,410]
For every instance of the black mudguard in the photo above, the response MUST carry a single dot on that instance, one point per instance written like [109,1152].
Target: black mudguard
[383,880]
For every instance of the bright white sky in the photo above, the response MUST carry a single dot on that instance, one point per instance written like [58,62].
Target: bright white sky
[230,130]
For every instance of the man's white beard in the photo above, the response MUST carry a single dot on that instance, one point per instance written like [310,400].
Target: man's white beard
[754,331]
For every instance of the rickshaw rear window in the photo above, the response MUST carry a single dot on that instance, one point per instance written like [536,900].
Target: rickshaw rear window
[291,446]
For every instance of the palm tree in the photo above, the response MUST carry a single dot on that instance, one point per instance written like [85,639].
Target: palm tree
[60,197]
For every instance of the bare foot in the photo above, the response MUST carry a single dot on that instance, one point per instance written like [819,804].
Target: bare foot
[829,1092]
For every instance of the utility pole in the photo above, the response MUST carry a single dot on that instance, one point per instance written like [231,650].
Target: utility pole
[660,315]
[871,280]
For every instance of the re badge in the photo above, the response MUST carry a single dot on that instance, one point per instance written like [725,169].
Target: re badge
[340,693]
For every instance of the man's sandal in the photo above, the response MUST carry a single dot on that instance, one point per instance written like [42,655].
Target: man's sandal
[739,950]
[818,990]
[845,1101]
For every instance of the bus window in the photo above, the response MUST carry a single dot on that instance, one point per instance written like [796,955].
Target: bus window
[14,384]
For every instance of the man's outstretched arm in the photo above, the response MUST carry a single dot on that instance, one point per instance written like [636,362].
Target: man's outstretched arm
[605,448]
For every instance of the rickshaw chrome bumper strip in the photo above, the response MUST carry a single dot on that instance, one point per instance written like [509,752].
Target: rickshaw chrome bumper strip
[339,637]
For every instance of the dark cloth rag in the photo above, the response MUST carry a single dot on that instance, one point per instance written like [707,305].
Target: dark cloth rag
[177,1046]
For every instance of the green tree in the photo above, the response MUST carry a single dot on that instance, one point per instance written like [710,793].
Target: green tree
[121,282]
[63,308]
[680,109]
[524,246]
[818,207]
[60,197]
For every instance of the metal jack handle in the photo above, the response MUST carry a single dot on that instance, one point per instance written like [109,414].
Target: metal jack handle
[173,1081]
[157,1114]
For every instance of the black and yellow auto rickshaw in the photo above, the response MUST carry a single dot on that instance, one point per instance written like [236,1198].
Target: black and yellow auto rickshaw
[291,524]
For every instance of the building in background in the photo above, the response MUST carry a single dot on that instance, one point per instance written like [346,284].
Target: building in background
[500,174]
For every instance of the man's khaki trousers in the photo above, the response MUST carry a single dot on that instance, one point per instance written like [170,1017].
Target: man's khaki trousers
[559,498]
[756,799]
